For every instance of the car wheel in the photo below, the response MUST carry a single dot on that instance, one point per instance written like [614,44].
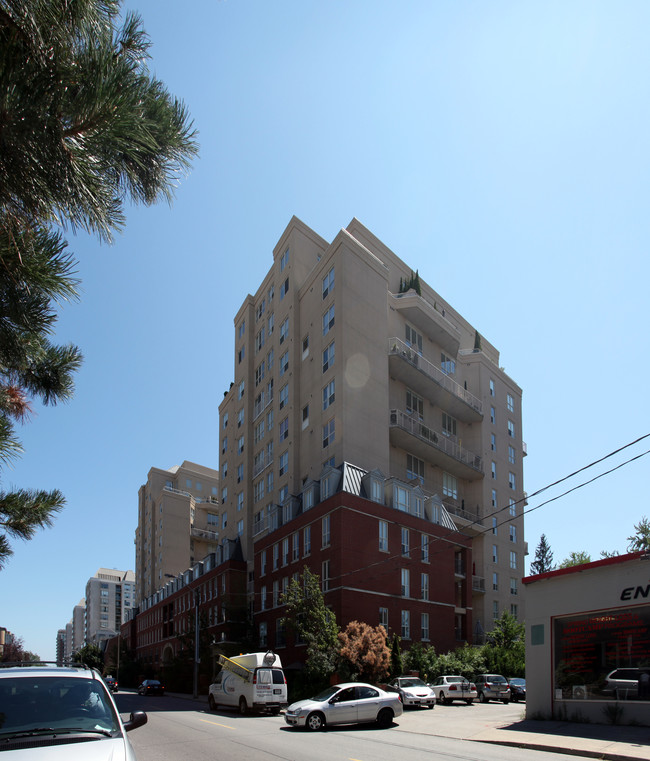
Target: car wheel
[505,702]
[315,722]
[441,699]
[385,718]
[275,711]
[211,703]
[482,698]
[469,701]
[243,706]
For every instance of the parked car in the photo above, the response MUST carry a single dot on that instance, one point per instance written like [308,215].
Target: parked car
[151,687]
[628,683]
[412,691]
[492,687]
[450,688]
[250,681]
[111,683]
[66,712]
[348,703]
[517,689]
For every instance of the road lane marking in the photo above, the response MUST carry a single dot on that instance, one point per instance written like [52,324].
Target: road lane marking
[216,723]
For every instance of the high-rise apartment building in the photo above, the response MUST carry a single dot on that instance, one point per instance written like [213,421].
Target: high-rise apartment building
[110,595]
[178,523]
[342,355]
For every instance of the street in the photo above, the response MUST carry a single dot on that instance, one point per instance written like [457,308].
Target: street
[179,729]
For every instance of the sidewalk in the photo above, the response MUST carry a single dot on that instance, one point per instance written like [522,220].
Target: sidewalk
[618,743]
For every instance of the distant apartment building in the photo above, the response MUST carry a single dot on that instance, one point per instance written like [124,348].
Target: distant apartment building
[110,595]
[178,523]
[346,362]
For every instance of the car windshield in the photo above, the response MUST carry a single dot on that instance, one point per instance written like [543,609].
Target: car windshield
[411,682]
[497,679]
[456,679]
[518,681]
[62,704]
[326,694]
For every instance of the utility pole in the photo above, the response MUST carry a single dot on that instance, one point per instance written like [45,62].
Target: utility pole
[197,657]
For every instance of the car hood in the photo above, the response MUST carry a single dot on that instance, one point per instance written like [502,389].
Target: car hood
[304,704]
[116,749]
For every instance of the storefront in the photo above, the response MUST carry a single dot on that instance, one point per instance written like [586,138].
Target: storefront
[588,642]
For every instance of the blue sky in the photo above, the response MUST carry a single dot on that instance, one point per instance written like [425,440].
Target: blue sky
[499,148]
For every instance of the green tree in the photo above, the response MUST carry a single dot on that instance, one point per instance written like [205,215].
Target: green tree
[365,650]
[543,557]
[313,623]
[91,656]
[505,651]
[640,540]
[396,662]
[421,659]
[84,128]
[575,558]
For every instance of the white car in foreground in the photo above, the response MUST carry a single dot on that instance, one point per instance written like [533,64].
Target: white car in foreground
[348,703]
[413,691]
[53,712]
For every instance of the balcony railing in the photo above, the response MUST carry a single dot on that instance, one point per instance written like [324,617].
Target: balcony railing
[437,439]
[399,347]
[478,584]
[201,533]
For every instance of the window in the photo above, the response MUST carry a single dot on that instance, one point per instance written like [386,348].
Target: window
[224,445]
[424,586]
[494,497]
[240,445]
[240,390]
[413,338]
[325,527]
[240,473]
[494,526]
[491,387]
[240,527]
[259,340]
[284,289]
[258,490]
[513,534]
[402,499]
[224,494]
[306,541]
[511,429]
[449,485]
[406,624]
[405,542]
[241,354]
[512,507]
[328,283]
[514,611]
[328,357]
[383,618]
[264,637]
[328,320]
[329,394]
[224,520]
[263,564]
[425,625]
[269,420]
[512,481]
[305,417]
[325,575]
[513,586]
[225,419]
[448,425]
[263,598]
[224,469]
[284,330]
[295,547]
[269,359]
[495,582]
[242,329]
[284,363]
[495,609]
[284,395]
[259,374]
[513,561]
[510,403]
[276,556]
[285,551]
[406,582]
[261,308]
[270,323]
[284,429]
[269,483]
[511,454]
[284,260]
[258,432]
[284,463]
[493,415]
[493,442]
[383,536]
[495,554]
[240,418]
[328,433]
[414,468]
[447,364]
[493,469]
[414,404]
[276,593]
[305,347]
[425,548]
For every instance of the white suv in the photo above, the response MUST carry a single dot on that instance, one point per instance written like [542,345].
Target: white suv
[43,707]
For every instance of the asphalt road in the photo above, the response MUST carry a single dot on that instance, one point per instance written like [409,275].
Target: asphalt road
[183,730]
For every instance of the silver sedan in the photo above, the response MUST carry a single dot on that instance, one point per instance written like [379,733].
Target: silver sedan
[348,703]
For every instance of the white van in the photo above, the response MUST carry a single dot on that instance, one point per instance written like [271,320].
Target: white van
[250,681]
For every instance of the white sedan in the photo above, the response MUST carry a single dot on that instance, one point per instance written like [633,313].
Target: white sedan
[453,687]
[348,703]
[413,691]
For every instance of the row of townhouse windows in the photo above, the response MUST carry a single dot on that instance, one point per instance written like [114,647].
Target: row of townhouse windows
[405,584]
[496,612]
[405,540]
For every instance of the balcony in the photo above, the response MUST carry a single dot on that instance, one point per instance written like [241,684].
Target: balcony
[430,382]
[478,584]
[408,433]
[201,533]
[426,318]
